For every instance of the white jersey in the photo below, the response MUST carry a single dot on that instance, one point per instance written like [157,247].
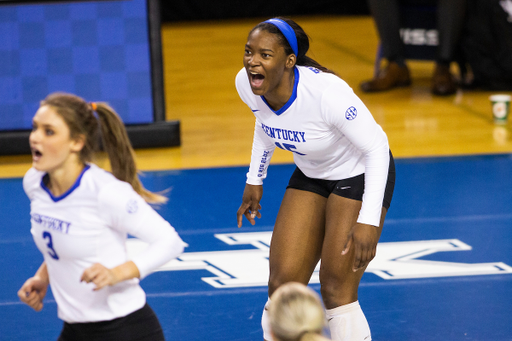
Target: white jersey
[329,130]
[89,224]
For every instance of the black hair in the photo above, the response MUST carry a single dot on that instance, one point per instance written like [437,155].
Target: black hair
[302,43]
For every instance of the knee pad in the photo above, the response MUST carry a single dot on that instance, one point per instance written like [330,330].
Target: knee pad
[265,323]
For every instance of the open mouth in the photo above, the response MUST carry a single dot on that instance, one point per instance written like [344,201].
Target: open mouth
[256,79]
[36,154]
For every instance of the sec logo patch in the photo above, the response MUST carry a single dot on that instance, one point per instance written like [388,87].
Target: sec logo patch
[351,113]
[131,206]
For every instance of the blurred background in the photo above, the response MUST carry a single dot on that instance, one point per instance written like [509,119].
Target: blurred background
[169,68]
[202,46]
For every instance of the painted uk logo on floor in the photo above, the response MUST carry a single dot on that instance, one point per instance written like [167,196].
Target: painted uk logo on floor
[394,260]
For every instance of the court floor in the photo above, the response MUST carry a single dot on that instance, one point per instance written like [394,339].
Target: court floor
[443,269]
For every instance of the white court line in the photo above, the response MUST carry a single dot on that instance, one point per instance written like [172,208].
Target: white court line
[480,217]
[233,291]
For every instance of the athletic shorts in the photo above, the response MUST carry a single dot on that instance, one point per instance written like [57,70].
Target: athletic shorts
[141,325]
[351,188]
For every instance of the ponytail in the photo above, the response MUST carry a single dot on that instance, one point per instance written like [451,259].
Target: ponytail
[79,117]
[120,152]
[310,62]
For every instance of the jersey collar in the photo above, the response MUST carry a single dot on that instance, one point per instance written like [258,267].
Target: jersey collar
[292,98]
[69,191]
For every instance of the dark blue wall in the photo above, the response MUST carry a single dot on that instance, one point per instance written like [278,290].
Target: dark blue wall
[183,10]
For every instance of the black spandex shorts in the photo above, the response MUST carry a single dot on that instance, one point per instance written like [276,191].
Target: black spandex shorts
[141,325]
[352,188]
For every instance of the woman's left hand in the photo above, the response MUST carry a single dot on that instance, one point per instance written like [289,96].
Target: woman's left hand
[99,275]
[363,238]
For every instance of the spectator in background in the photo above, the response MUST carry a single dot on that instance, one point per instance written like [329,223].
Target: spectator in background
[295,313]
[487,44]
[450,21]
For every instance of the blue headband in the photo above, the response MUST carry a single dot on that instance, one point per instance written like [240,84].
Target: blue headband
[288,33]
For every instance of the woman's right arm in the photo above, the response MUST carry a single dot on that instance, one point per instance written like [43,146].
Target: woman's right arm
[262,150]
[250,207]
[34,289]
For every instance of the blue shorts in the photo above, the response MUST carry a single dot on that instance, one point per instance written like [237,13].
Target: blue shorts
[351,188]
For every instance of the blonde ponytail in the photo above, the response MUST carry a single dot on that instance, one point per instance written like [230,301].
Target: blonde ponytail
[120,152]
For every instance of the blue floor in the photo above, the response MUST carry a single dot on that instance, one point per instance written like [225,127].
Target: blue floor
[443,269]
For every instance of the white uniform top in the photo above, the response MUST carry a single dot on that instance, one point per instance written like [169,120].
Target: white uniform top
[331,133]
[89,224]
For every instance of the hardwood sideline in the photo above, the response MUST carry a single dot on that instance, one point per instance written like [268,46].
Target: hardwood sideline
[201,60]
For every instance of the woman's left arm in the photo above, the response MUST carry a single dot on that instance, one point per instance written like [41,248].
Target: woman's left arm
[102,276]
[127,212]
[358,125]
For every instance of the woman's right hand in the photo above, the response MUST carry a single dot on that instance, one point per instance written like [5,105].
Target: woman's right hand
[33,291]
[250,204]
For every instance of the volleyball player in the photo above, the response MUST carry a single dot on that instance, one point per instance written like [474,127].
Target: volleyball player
[81,216]
[336,200]
[296,313]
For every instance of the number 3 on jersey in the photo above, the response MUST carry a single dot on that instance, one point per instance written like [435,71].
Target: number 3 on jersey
[51,251]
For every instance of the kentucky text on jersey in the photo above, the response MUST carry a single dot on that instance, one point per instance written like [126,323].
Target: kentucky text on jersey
[284,134]
[51,223]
